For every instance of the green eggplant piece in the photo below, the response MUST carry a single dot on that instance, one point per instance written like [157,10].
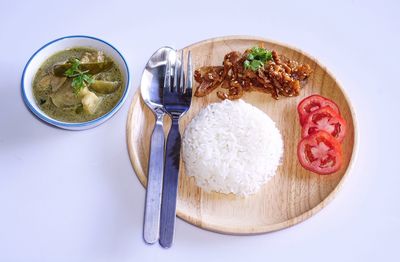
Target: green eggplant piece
[92,68]
[104,87]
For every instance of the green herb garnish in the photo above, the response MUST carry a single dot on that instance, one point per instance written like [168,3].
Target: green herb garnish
[80,79]
[257,58]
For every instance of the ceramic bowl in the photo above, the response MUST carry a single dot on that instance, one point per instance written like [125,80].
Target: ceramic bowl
[60,44]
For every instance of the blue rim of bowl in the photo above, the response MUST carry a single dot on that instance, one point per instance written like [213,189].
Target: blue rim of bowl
[83,124]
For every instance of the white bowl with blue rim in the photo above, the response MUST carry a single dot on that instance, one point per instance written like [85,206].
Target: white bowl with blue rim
[60,44]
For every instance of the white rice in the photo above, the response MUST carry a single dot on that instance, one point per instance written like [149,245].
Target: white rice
[231,147]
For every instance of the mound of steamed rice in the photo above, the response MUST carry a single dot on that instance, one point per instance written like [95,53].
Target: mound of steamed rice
[231,147]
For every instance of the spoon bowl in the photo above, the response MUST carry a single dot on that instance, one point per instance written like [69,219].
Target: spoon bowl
[151,86]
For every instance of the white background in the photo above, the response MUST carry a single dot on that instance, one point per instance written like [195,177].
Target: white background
[73,196]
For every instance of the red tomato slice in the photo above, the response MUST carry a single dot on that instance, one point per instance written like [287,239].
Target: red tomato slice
[320,153]
[313,103]
[325,119]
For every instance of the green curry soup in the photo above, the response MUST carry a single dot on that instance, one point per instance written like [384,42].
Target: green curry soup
[78,85]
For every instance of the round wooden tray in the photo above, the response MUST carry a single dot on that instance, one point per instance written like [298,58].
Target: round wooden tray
[294,194]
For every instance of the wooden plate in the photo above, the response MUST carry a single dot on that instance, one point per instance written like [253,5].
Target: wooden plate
[294,194]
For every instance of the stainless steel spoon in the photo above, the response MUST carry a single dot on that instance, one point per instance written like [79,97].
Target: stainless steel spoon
[151,88]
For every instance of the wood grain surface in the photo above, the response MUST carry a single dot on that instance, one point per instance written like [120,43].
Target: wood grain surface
[294,194]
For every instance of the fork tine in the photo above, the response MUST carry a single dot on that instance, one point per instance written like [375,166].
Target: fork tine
[189,74]
[181,87]
[177,65]
[167,77]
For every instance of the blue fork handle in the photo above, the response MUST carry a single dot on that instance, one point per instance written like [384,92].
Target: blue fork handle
[170,185]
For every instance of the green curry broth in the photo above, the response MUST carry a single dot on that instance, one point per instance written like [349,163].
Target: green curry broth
[76,113]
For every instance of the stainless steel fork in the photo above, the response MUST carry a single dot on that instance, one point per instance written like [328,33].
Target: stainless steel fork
[176,100]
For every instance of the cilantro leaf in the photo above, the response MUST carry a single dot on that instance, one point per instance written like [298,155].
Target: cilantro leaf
[256,64]
[88,78]
[246,64]
[79,79]
[257,58]
[74,69]
[77,84]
